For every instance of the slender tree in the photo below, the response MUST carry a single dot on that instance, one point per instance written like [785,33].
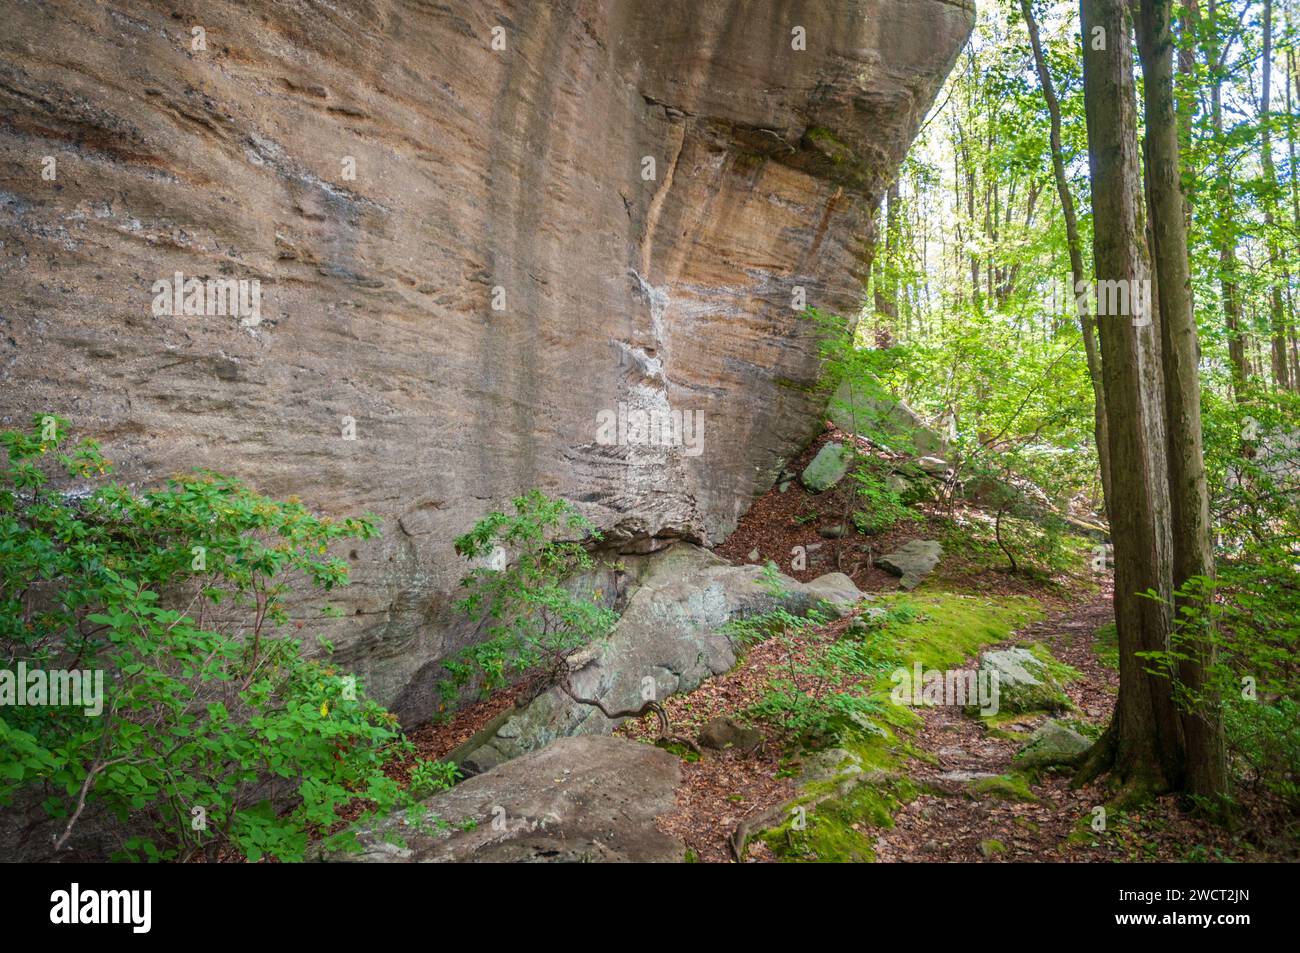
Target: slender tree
[1087,320]
[1223,230]
[1277,313]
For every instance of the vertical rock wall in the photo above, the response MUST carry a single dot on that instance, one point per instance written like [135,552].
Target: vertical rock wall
[518,176]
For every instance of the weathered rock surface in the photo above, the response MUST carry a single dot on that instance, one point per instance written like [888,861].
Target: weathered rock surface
[482,177]
[935,466]
[588,799]
[837,589]
[827,468]
[913,561]
[668,640]
[1052,743]
[882,415]
[1024,682]
[721,733]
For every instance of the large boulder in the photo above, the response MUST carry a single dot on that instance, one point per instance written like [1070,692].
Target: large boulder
[670,638]
[871,412]
[463,257]
[584,799]
[827,468]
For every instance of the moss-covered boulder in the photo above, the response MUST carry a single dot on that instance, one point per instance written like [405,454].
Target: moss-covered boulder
[1025,682]
[827,468]
[1052,744]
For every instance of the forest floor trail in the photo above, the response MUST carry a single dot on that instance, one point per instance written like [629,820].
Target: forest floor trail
[970,803]
[1049,819]
[952,822]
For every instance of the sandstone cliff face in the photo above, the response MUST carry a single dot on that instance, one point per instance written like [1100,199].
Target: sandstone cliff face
[388,177]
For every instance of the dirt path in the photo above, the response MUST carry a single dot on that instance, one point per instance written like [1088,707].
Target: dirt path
[950,823]
[954,824]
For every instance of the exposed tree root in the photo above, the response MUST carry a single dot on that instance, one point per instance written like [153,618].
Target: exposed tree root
[651,706]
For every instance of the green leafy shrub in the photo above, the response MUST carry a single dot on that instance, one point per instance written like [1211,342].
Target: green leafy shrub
[216,733]
[816,694]
[882,506]
[534,617]
[1265,740]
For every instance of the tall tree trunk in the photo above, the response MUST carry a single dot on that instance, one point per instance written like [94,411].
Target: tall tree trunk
[1192,536]
[1224,229]
[1087,321]
[887,271]
[1143,745]
[1277,315]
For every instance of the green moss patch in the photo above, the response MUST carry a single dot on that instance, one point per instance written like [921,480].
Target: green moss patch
[950,627]
[834,817]
[839,830]
[1006,787]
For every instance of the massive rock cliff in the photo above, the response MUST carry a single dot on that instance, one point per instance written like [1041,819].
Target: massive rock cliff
[475,225]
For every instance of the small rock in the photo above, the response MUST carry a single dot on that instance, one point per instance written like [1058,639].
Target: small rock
[965,777]
[827,468]
[992,847]
[933,465]
[867,621]
[914,561]
[755,555]
[830,763]
[1052,744]
[913,489]
[837,589]
[1024,683]
[833,531]
[721,733]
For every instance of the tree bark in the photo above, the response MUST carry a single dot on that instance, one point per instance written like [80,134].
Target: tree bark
[1191,533]
[1143,745]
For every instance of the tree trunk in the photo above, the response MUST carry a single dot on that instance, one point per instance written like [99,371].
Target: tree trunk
[1224,230]
[1192,535]
[1277,315]
[1143,745]
[887,271]
[1087,321]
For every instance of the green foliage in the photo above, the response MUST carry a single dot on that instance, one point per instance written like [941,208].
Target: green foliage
[1249,613]
[882,506]
[534,619]
[216,732]
[1265,740]
[430,777]
[819,692]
